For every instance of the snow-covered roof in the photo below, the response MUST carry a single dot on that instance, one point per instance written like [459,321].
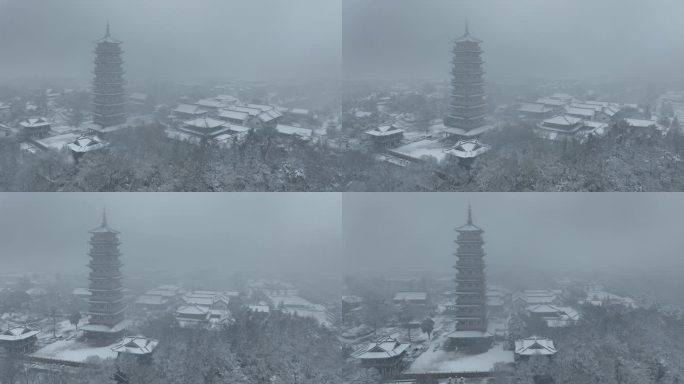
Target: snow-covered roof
[410,296]
[136,345]
[151,300]
[584,112]
[209,103]
[248,110]
[563,120]
[226,98]
[551,102]
[269,115]
[594,107]
[468,149]
[297,131]
[383,348]
[189,109]
[385,130]
[299,111]
[17,333]
[534,108]
[362,114]
[535,346]
[192,310]
[35,122]
[87,143]
[236,115]
[640,123]
[122,325]
[204,123]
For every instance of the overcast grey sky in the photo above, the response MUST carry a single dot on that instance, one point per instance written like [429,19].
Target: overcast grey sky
[622,233]
[175,232]
[257,39]
[523,39]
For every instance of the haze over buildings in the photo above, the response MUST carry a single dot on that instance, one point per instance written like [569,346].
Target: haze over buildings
[263,39]
[527,39]
[177,233]
[527,233]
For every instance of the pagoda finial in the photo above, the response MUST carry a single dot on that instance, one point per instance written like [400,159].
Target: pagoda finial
[470,215]
[107,34]
[104,217]
[467,32]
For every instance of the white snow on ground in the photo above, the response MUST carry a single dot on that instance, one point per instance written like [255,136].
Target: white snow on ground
[440,360]
[72,350]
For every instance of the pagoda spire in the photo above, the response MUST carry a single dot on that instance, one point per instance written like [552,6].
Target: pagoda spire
[470,215]
[104,217]
[107,33]
[467,32]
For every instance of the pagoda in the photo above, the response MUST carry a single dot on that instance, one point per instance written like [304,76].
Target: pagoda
[109,101]
[471,291]
[466,116]
[106,303]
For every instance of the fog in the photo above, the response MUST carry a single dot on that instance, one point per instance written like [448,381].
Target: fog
[523,39]
[183,40]
[174,233]
[525,233]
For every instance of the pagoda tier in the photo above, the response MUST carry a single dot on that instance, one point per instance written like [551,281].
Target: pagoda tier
[109,100]
[106,302]
[467,109]
[471,290]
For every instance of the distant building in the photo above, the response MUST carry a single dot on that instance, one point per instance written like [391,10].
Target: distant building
[414,298]
[18,340]
[139,346]
[109,101]
[205,127]
[385,135]
[467,109]
[86,143]
[386,355]
[534,346]
[139,102]
[467,150]
[188,112]
[580,113]
[554,316]
[351,308]
[36,127]
[292,131]
[535,111]
[562,127]
[529,297]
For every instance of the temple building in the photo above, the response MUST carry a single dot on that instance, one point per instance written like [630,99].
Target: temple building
[385,136]
[18,340]
[109,101]
[107,321]
[467,110]
[138,346]
[534,346]
[471,291]
[385,354]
